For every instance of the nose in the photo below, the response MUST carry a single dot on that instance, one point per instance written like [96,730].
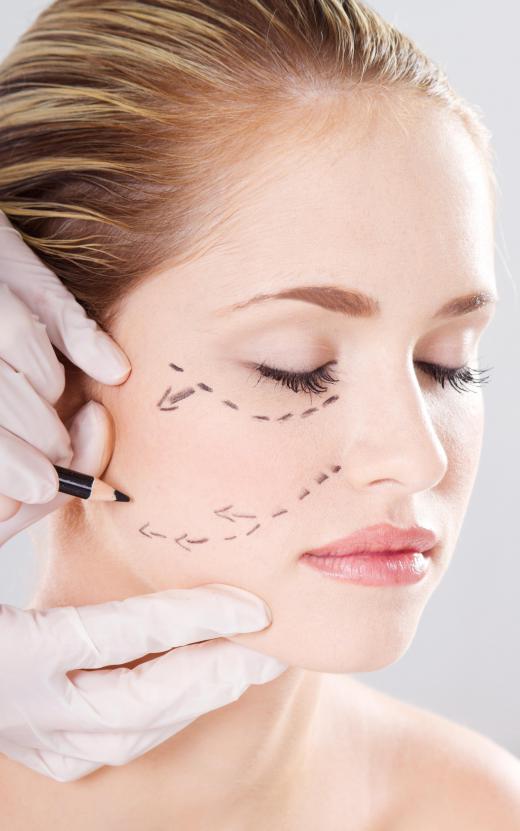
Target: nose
[391,437]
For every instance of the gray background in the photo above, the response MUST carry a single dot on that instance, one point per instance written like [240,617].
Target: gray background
[464,662]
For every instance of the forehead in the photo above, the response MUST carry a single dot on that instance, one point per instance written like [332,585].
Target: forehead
[391,191]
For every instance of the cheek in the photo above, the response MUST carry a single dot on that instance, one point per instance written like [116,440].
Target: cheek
[211,478]
[460,430]
[464,444]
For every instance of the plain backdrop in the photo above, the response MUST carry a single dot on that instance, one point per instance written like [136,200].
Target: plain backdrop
[464,662]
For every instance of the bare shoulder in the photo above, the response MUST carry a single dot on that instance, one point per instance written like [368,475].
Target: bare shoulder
[448,775]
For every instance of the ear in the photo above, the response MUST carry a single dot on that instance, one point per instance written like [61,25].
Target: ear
[79,388]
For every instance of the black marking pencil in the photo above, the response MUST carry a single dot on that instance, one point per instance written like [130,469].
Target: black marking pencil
[87,487]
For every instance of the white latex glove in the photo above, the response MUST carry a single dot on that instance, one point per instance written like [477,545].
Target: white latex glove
[32,379]
[66,726]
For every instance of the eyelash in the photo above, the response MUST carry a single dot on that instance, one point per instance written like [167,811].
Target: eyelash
[311,381]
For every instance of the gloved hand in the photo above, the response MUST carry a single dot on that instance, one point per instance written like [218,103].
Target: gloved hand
[32,437]
[66,722]
[56,716]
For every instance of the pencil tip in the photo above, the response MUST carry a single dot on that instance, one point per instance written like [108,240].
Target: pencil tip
[121,497]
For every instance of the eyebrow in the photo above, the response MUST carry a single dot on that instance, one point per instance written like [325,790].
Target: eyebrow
[354,303]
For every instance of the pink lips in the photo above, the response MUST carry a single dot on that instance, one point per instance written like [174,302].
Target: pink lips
[381,555]
[379,538]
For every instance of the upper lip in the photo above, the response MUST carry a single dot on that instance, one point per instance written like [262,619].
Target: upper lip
[383,537]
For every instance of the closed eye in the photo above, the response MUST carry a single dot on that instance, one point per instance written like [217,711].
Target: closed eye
[460,379]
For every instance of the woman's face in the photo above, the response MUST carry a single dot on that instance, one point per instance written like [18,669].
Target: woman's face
[226,490]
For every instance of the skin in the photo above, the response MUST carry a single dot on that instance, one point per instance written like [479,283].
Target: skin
[399,208]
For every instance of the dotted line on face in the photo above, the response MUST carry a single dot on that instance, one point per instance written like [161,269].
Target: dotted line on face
[223,514]
[173,399]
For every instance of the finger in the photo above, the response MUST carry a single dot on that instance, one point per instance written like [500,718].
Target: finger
[91,446]
[48,763]
[27,515]
[69,767]
[25,473]
[165,695]
[69,328]
[99,749]
[30,417]
[8,507]
[120,630]
[25,346]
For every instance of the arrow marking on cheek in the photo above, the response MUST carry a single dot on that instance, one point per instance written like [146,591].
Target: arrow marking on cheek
[166,394]
[219,511]
[173,399]
[321,478]
[151,533]
[330,400]
[181,538]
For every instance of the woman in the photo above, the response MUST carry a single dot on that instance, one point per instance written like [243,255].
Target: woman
[223,153]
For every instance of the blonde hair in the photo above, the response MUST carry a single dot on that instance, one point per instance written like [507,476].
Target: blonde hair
[125,118]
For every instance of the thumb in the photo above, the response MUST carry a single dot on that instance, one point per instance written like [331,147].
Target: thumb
[92,433]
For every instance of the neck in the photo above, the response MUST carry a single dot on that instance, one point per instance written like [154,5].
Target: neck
[260,745]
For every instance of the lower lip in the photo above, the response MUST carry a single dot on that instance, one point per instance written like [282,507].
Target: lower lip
[392,568]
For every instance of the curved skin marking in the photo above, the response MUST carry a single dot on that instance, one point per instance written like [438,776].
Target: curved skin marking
[172,399]
[221,512]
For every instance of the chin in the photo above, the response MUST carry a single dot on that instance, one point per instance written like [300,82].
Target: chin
[364,651]
[366,658]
